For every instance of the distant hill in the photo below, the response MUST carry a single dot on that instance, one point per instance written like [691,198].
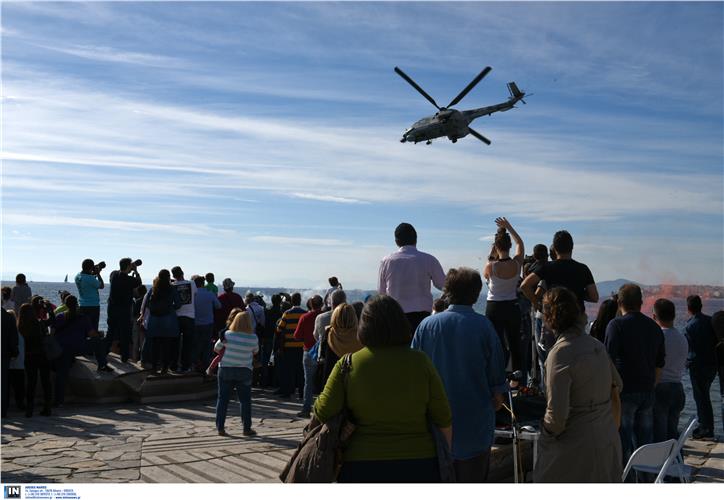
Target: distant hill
[606,288]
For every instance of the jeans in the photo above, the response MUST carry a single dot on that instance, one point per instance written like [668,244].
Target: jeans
[165,350]
[202,346]
[186,328]
[239,379]
[33,369]
[93,312]
[637,421]
[310,370]
[670,399]
[701,380]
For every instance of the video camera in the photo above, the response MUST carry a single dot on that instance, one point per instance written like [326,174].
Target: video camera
[99,267]
[136,262]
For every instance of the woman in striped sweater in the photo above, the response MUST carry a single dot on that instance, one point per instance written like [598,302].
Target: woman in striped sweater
[240,344]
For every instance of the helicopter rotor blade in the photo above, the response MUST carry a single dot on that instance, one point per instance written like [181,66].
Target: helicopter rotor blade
[470,86]
[416,86]
[479,136]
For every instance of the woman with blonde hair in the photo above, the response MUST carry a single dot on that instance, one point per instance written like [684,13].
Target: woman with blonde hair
[213,366]
[240,344]
[341,337]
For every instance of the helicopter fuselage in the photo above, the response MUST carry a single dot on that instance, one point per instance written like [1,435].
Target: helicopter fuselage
[451,123]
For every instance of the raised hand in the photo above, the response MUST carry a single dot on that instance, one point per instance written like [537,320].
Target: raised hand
[503,222]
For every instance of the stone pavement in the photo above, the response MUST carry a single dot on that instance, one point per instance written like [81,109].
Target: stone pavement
[151,443]
[177,443]
[707,460]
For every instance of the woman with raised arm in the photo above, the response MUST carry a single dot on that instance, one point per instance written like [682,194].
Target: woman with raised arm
[503,278]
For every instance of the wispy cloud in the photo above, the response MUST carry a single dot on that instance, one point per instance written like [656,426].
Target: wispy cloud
[294,241]
[330,198]
[51,220]
[113,55]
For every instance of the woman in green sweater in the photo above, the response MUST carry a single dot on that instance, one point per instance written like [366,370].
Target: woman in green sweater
[390,390]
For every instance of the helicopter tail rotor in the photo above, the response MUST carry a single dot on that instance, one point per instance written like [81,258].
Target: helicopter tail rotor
[416,86]
[479,136]
[515,93]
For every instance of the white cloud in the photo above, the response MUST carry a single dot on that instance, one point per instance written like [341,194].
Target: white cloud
[51,220]
[294,241]
[330,198]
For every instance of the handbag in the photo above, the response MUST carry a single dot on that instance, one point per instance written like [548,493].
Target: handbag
[318,458]
[51,347]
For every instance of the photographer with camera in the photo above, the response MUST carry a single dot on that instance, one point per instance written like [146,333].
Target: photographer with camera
[89,281]
[120,302]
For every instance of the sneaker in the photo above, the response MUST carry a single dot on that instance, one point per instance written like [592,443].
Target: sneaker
[222,432]
[304,414]
[249,432]
[105,368]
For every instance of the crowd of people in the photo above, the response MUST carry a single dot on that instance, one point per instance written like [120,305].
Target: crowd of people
[404,367]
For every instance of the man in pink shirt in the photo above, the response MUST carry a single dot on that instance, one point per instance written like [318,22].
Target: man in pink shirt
[406,274]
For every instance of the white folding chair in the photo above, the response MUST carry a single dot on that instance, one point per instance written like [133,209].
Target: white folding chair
[655,457]
[677,467]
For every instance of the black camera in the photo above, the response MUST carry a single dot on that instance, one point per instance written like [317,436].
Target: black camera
[136,262]
[99,267]
[47,305]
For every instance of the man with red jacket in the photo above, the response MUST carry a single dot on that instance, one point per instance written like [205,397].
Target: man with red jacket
[305,332]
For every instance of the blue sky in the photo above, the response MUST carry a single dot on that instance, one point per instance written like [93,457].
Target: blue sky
[260,140]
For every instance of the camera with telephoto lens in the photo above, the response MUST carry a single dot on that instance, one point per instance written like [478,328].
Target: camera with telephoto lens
[136,262]
[99,267]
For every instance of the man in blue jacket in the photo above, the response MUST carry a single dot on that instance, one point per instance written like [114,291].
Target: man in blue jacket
[468,356]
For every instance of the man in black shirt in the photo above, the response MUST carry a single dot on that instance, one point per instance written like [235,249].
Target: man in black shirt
[564,271]
[702,364]
[120,302]
[636,346]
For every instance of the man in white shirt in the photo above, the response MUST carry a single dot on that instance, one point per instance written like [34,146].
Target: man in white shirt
[186,315]
[670,396]
[406,274]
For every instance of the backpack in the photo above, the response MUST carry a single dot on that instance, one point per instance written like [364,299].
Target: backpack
[318,458]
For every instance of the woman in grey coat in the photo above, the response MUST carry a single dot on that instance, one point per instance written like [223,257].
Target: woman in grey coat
[579,440]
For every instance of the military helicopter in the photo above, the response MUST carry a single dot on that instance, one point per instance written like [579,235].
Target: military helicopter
[452,123]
